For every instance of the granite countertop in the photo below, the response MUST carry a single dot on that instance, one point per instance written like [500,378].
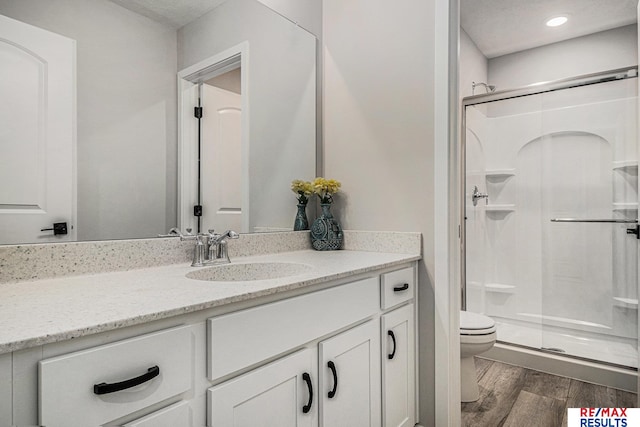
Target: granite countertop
[44,311]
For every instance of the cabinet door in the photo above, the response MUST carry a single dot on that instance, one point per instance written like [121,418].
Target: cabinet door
[278,394]
[6,389]
[398,368]
[178,414]
[350,378]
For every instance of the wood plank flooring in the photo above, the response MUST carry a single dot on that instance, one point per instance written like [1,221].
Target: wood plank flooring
[513,396]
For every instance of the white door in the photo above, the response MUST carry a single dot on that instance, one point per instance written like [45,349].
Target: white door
[37,133]
[221,157]
[350,378]
[280,394]
[398,368]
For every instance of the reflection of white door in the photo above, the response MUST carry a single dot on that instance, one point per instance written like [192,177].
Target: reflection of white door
[37,133]
[221,157]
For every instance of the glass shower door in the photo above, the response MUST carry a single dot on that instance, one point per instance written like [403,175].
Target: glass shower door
[502,262]
[551,207]
[588,204]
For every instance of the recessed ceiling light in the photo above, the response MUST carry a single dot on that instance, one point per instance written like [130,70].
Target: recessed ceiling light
[557,21]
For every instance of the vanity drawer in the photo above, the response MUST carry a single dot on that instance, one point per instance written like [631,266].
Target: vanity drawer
[68,392]
[397,287]
[244,338]
[178,414]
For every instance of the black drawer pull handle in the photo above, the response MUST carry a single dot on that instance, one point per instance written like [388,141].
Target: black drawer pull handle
[393,338]
[104,388]
[307,379]
[332,366]
[401,288]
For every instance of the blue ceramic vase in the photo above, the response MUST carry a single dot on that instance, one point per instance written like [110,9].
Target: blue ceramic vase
[326,233]
[301,222]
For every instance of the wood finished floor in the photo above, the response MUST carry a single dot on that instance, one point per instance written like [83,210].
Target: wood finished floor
[514,396]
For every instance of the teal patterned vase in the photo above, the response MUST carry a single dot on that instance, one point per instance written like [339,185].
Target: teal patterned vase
[301,222]
[326,233]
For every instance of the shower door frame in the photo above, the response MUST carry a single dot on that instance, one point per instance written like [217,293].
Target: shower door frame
[534,89]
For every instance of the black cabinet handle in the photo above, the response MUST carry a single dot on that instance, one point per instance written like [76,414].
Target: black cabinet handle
[332,366]
[104,388]
[393,338]
[401,288]
[307,379]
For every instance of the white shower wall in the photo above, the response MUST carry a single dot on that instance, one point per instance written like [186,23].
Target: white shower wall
[569,153]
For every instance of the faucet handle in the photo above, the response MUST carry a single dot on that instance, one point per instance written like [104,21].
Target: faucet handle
[174,232]
[231,234]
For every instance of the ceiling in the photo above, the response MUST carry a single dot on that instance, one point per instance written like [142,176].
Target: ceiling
[174,13]
[499,27]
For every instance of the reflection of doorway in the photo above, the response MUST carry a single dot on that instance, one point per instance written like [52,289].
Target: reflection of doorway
[214,149]
[221,152]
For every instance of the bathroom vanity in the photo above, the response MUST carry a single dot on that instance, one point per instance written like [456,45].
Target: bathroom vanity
[319,339]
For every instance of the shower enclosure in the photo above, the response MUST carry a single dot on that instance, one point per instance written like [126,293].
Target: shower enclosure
[551,208]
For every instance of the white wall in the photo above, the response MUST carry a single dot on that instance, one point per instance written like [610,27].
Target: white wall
[602,51]
[473,66]
[281,99]
[385,71]
[126,98]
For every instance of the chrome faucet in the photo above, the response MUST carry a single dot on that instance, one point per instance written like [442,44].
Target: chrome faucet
[210,248]
[218,253]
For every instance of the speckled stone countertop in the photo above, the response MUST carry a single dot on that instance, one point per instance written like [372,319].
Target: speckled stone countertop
[44,311]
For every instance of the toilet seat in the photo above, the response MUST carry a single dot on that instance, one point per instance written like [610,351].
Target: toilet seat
[476,324]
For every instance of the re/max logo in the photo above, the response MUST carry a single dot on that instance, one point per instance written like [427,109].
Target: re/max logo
[603,412]
[603,417]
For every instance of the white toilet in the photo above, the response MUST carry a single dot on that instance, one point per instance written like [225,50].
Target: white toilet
[477,335]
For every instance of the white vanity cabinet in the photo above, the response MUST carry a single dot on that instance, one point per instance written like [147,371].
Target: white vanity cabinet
[343,356]
[398,368]
[6,389]
[349,380]
[316,358]
[296,391]
[102,384]
[178,414]
[282,393]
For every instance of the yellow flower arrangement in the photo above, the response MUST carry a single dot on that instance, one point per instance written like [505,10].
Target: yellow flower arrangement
[325,188]
[303,189]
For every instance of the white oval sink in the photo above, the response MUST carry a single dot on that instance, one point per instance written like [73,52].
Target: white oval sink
[249,271]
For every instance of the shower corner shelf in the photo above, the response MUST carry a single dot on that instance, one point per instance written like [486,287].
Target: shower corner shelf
[626,302]
[500,288]
[474,285]
[499,174]
[625,206]
[626,166]
[500,208]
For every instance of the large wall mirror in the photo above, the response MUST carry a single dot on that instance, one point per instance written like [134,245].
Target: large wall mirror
[122,169]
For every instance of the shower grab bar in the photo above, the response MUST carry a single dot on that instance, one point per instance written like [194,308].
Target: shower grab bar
[621,221]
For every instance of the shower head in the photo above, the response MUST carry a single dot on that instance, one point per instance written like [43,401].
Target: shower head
[487,87]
